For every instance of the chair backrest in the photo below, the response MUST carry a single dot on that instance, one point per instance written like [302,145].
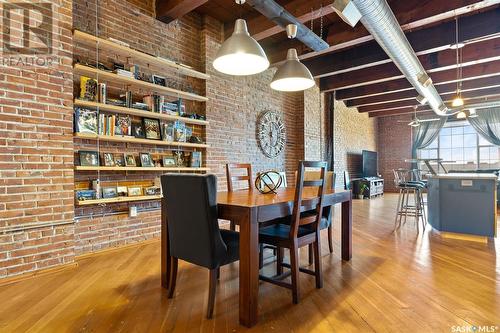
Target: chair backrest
[315,174]
[190,204]
[314,216]
[347,181]
[401,176]
[232,177]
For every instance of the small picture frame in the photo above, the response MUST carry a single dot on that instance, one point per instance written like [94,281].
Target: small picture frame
[152,190]
[109,192]
[138,130]
[159,80]
[179,158]
[119,159]
[169,162]
[152,129]
[146,160]
[109,160]
[168,132]
[130,160]
[195,159]
[134,191]
[85,121]
[122,191]
[88,158]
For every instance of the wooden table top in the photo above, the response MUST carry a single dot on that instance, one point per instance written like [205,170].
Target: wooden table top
[253,198]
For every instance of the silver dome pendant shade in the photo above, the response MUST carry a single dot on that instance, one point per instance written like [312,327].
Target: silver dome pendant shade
[292,75]
[240,54]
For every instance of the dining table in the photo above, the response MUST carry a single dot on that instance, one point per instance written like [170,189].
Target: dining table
[247,208]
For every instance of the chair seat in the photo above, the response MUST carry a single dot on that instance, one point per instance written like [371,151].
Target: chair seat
[232,240]
[281,231]
[411,184]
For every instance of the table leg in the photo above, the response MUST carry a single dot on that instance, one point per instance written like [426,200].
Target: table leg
[249,268]
[165,251]
[431,169]
[347,229]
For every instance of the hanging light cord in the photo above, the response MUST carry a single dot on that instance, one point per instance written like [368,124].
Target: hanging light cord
[459,67]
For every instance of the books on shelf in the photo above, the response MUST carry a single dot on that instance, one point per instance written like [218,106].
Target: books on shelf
[111,125]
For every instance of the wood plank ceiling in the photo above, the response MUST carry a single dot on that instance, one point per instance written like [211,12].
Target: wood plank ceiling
[359,71]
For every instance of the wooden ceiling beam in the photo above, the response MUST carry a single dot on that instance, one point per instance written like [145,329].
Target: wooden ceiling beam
[468,97]
[469,73]
[411,15]
[443,89]
[423,41]
[472,54]
[492,95]
[169,10]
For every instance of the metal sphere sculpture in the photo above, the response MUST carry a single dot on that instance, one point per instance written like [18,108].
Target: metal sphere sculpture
[268,181]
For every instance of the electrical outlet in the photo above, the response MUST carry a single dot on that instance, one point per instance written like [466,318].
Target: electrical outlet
[132,211]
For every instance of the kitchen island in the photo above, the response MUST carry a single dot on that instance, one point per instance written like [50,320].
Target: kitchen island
[463,203]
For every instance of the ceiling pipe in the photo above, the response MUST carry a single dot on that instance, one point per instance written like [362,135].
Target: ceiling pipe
[379,20]
[282,17]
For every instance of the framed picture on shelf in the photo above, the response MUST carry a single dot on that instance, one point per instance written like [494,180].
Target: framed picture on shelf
[169,161]
[152,128]
[109,192]
[159,80]
[88,158]
[138,130]
[119,159]
[122,191]
[134,191]
[152,190]
[195,159]
[109,160]
[123,125]
[130,160]
[180,131]
[146,160]
[82,195]
[168,132]
[85,121]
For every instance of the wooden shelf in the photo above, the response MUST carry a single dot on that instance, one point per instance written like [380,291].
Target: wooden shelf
[105,44]
[118,138]
[108,168]
[118,199]
[136,112]
[112,77]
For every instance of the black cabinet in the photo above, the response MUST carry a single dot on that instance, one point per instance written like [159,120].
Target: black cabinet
[370,187]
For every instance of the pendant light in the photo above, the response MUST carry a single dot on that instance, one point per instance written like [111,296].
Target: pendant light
[240,54]
[458,101]
[292,75]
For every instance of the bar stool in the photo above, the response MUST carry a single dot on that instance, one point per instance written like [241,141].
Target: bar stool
[405,207]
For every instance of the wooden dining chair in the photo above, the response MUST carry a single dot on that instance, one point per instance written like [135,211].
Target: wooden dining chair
[303,229]
[193,229]
[326,217]
[234,176]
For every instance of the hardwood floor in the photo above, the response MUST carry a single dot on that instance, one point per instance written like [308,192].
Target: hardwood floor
[396,282]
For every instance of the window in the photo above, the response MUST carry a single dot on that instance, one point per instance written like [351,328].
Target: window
[461,148]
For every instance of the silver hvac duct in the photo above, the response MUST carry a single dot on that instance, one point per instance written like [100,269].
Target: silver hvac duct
[379,20]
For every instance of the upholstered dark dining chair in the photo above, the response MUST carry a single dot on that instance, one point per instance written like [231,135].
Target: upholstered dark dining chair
[193,230]
[302,229]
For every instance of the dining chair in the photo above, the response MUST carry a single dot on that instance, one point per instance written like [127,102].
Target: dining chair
[234,176]
[326,217]
[193,230]
[347,180]
[303,229]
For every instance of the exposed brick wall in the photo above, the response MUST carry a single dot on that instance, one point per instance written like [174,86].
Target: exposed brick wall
[394,146]
[36,151]
[353,132]
[36,135]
